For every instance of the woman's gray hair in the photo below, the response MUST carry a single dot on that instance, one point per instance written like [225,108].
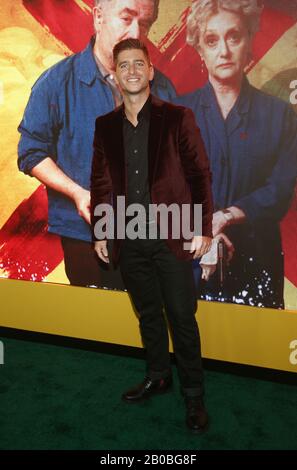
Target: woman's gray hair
[202,10]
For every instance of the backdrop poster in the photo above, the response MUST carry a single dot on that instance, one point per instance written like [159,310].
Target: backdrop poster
[37,34]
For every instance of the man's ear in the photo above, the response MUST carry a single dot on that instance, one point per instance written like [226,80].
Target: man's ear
[97,18]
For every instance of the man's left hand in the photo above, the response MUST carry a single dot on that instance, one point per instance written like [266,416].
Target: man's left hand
[200,246]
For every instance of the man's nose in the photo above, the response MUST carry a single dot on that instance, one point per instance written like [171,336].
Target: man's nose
[134,30]
[131,68]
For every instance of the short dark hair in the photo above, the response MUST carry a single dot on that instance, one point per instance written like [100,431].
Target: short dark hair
[127,44]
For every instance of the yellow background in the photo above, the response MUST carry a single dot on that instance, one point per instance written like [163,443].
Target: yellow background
[240,334]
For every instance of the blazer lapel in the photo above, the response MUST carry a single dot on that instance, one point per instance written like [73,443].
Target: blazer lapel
[155,133]
[116,143]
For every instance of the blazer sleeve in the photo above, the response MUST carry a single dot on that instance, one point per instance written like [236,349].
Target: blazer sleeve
[196,168]
[101,183]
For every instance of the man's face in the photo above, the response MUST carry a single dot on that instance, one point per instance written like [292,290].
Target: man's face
[133,72]
[116,20]
[225,45]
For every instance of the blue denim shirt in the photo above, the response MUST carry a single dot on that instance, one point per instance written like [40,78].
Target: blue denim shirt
[59,122]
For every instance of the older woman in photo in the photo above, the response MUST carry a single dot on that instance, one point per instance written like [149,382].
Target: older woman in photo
[251,141]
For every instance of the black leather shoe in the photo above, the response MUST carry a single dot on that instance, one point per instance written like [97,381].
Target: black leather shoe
[196,416]
[147,388]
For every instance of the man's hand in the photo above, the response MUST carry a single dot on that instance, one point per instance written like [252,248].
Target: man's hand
[82,199]
[209,262]
[200,246]
[101,250]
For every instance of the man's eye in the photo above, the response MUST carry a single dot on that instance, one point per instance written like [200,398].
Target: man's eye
[123,66]
[139,64]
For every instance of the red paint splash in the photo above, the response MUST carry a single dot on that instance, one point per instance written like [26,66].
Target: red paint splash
[27,250]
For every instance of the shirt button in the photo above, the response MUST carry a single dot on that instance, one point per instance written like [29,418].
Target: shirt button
[137,191]
[135,151]
[136,171]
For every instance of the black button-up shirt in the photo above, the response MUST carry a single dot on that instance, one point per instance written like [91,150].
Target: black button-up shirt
[136,155]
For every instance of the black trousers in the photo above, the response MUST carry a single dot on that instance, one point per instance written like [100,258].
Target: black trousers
[84,268]
[155,278]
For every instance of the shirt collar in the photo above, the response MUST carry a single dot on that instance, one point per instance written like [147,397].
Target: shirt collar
[88,69]
[245,97]
[144,112]
[104,72]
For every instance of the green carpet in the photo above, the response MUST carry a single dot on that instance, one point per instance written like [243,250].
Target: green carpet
[54,397]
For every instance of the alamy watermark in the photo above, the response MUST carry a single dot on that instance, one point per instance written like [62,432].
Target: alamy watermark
[1,353]
[134,221]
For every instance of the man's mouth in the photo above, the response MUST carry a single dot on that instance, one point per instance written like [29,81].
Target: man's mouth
[132,80]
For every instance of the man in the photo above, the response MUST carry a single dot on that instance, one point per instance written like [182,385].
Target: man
[150,151]
[58,128]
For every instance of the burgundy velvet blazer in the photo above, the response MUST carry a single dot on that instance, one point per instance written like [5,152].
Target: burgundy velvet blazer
[178,166]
